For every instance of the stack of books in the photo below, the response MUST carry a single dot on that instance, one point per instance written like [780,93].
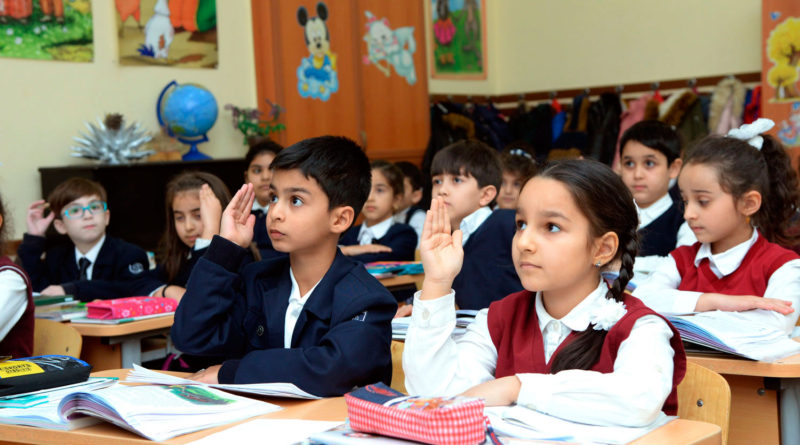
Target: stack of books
[464,317]
[58,308]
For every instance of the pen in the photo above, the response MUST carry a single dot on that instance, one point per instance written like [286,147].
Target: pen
[490,432]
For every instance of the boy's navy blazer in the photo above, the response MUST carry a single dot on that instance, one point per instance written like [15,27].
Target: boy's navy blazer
[116,268]
[488,272]
[341,340]
[400,237]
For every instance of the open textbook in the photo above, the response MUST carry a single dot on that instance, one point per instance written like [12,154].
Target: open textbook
[144,375]
[732,333]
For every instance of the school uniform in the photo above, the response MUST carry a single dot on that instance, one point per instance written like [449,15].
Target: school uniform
[661,230]
[16,317]
[754,267]
[400,237]
[634,380]
[414,216]
[340,331]
[261,236]
[152,280]
[487,273]
[114,266]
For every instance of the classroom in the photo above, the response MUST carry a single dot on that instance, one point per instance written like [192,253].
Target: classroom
[622,175]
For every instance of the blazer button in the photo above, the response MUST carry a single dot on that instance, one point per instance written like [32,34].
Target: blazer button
[260,330]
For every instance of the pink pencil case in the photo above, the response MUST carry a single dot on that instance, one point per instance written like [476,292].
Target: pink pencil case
[129,307]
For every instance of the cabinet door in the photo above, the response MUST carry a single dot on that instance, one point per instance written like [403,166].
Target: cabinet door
[394,88]
[315,82]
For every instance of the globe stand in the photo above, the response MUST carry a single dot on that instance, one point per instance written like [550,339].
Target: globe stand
[194,154]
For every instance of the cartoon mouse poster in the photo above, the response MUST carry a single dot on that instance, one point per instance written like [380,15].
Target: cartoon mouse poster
[316,75]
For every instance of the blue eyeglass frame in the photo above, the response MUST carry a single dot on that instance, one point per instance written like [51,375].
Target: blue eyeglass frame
[84,209]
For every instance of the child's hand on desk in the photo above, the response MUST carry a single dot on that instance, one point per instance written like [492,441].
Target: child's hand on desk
[499,392]
[208,375]
[237,222]
[738,303]
[366,248]
[210,212]
[36,222]
[441,252]
[53,289]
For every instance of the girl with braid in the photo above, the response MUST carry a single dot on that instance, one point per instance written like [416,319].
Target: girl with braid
[568,345]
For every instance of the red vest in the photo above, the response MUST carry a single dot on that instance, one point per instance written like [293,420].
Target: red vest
[750,278]
[515,332]
[19,340]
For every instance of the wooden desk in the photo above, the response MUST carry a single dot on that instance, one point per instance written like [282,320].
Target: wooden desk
[114,346]
[755,416]
[676,432]
[402,280]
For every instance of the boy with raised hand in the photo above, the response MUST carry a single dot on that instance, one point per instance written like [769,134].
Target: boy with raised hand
[313,318]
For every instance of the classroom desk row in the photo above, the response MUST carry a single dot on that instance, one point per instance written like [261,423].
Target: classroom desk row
[678,431]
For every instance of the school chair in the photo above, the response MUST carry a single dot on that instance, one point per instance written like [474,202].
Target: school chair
[398,376]
[704,395]
[52,337]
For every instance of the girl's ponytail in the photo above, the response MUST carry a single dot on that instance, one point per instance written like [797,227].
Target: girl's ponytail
[780,201]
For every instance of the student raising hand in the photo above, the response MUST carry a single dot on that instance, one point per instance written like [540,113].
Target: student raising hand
[441,252]
[237,222]
[210,212]
[36,221]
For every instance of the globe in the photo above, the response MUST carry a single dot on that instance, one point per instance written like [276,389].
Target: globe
[188,112]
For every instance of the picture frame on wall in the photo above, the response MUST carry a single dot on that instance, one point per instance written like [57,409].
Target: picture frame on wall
[458,39]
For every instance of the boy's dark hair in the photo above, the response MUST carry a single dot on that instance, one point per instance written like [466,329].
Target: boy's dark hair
[656,135]
[173,252]
[72,189]
[608,205]
[411,172]
[518,158]
[392,174]
[741,168]
[338,165]
[471,158]
[259,145]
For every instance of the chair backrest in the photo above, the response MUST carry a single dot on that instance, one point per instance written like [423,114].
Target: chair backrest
[398,376]
[706,396]
[52,337]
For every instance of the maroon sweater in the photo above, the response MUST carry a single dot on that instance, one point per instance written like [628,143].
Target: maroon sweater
[19,340]
[514,328]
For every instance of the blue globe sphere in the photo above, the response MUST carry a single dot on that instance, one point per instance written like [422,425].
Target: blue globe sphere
[189,110]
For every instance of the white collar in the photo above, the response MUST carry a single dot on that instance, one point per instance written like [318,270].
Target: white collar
[728,261]
[400,216]
[91,255]
[376,231]
[257,206]
[294,295]
[471,222]
[656,209]
[580,316]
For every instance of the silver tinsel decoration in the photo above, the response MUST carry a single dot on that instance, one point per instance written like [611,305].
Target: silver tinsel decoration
[111,145]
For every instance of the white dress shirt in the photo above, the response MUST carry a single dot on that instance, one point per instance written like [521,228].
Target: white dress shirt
[646,264]
[377,231]
[660,290]
[471,222]
[632,395]
[257,206]
[91,255]
[296,303]
[13,300]
[417,221]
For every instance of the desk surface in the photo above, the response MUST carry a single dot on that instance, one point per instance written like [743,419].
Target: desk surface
[134,327]
[676,432]
[400,280]
[788,367]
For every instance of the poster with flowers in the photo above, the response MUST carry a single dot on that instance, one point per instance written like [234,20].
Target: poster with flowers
[47,30]
[780,98]
[458,49]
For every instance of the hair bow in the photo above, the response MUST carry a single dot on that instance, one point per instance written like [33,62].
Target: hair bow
[520,152]
[750,133]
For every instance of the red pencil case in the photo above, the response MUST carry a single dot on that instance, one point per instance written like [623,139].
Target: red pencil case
[129,307]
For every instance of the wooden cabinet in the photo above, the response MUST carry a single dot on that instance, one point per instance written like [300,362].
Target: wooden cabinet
[373,105]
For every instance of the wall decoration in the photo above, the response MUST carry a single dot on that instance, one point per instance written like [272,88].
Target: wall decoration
[250,122]
[387,47]
[316,75]
[47,30]
[177,33]
[459,38]
[111,142]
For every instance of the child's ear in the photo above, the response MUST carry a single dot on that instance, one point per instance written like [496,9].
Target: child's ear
[749,203]
[58,223]
[488,193]
[675,168]
[416,196]
[341,219]
[605,248]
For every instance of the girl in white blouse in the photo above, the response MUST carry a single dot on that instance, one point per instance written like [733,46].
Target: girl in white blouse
[569,345]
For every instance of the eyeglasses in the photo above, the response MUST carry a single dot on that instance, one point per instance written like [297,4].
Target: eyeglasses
[77,211]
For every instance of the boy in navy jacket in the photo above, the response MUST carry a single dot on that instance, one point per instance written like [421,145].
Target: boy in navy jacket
[313,318]
[467,175]
[92,265]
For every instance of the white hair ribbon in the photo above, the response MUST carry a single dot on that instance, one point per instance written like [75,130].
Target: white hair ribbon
[750,133]
[520,152]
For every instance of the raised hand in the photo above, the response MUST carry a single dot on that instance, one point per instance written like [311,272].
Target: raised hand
[441,252]
[739,303]
[35,221]
[210,212]
[237,222]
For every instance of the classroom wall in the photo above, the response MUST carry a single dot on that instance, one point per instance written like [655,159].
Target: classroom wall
[45,104]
